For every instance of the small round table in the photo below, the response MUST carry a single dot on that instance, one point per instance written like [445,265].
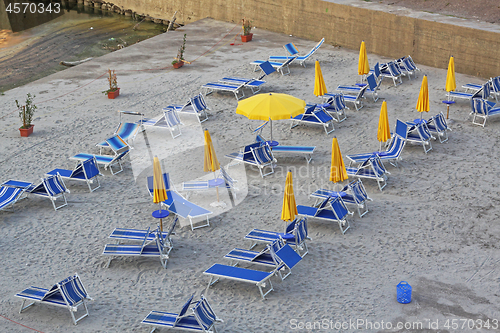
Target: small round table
[160,214]
[286,236]
[215,182]
[448,103]
[419,121]
[272,143]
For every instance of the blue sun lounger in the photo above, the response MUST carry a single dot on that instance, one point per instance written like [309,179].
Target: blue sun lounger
[236,89]
[306,150]
[107,161]
[253,84]
[196,105]
[301,59]
[201,318]
[335,106]
[481,108]
[373,86]
[86,171]
[483,92]
[69,293]
[278,255]
[126,131]
[438,125]
[9,196]
[330,209]
[223,180]
[420,134]
[256,154]
[392,71]
[372,168]
[50,187]
[279,66]
[169,119]
[178,205]
[313,115]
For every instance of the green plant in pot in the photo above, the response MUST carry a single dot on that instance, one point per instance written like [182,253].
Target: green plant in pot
[179,60]
[26,113]
[113,90]
[247,27]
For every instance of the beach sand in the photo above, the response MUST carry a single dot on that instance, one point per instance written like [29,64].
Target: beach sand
[432,226]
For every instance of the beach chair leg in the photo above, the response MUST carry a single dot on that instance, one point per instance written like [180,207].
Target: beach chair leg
[76,320]
[309,157]
[109,261]
[61,205]
[25,307]
[263,286]
[344,225]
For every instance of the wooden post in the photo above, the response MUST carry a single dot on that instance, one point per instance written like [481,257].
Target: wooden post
[171,24]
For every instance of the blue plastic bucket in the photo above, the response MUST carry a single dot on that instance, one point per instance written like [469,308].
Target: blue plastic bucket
[404,292]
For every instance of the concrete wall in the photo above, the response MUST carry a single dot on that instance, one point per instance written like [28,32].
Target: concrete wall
[431,43]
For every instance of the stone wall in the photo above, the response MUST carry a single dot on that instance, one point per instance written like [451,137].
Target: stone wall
[430,43]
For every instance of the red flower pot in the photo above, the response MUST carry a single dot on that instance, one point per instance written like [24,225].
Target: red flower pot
[113,94]
[246,38]
[178,64]
[25,132]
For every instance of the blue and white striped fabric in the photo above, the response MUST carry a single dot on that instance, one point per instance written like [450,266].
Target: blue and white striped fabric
[204,314]
[9,196]
[54,185]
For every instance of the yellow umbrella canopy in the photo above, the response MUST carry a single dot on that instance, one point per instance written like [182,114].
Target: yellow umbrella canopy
[338,172]
[289,209]
[363,66]
[210,162]
[159,193]
[423,97]
[383,133]
[451,84]
[271,106]
[319,82]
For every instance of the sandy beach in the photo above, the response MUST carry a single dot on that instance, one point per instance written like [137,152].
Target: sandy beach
[433,225]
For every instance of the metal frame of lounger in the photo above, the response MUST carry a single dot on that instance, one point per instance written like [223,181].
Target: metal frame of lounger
[338,212]
[196,105]
[255,154]
[179,205]
[394,148]
[69,293]
[422,136]
[373,86]
[278,66]
[201,319]
[259,278]
[126,131]
[84,171]
[353,193]
[301,59]
[169,119]
[306,150]
[253,84]
[9,196]
[392,71]
[105,160]
[314,115]
[438,125]
[210,87]
[483,109]
[483,92]
[372,168]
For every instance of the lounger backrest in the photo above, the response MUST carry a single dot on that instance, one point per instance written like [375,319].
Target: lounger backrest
[477,105]
[247,151]
[262,154]
[339,102]
[322,205]
[117,144]
[423,132]
[376,70]
[184,309]
[54,185]
[396,147]
[120,156]
[204,313]
[266,68]
[393,69]
[401,129]
[260,139]
[90,168]
[495,84]
[291,226]
[323,116]
[372,82]
[290,48]
[319,43]
[171,117]
[339,208]
[440,122]
[377,166]
[127,131]
[358,191]
[310,109]
[72,290]
[227,178]
[78,170]
[8,195]
[301,231]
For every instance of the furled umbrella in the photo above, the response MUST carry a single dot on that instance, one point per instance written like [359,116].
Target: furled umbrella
[384,132]
[451,84]
[423,97]
[289,209]
[319,82]
[210,162]
[159,192]
[338,172]
[363,66]
[271,106]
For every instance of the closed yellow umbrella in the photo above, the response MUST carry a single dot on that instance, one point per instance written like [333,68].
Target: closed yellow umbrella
[271,106]
[384,132]
[363,66]
[289,209]
[319,82]
[451,84]
[423,97]
[338,172]
[210,162]
[159,192]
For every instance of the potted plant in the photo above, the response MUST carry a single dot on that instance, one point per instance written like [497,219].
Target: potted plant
[179,61]
[247,27]
[26,114]
[113,90]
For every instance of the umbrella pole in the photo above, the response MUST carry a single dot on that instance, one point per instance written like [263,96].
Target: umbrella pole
[271,124]
[217,189]
[380,146]
[161,222]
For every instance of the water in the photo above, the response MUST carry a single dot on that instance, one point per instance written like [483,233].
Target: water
[34,45]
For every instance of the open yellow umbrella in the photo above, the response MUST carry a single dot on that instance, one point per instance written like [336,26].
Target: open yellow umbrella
[271,106]
[319,82]
[384,132]
[423,97]
[159,192]
[210,162]
[451,84]
[338,172]
[363,66]
[289,209]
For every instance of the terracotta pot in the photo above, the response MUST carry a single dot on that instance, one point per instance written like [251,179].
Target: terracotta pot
[25,132]
[178,64]
[113,94]
[246,38]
